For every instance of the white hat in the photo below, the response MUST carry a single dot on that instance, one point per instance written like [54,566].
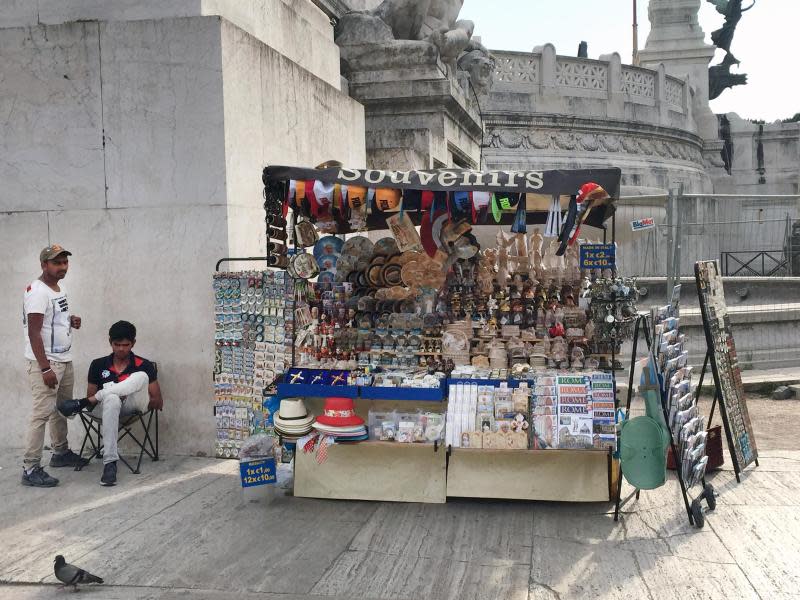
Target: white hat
[293,415]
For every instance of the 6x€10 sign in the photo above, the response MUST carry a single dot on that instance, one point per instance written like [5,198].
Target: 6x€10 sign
[598,256]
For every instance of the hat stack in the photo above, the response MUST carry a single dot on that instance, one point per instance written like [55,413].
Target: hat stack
[339,420]
[292,420]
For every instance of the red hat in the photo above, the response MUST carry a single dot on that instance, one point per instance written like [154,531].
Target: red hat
[339,412]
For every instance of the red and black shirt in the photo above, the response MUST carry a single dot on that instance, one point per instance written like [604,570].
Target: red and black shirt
[102,371]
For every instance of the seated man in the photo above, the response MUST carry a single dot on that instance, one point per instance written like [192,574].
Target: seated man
[119,385]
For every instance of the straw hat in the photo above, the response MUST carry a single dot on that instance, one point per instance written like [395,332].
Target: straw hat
[293,415]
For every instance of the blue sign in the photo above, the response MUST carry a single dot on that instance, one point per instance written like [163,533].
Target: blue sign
[260,471]
[598,256]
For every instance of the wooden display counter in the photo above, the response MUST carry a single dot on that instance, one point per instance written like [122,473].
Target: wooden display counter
[386,471]
[557,475]
[394,472]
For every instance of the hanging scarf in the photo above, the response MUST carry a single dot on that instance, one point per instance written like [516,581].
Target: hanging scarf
[553,218]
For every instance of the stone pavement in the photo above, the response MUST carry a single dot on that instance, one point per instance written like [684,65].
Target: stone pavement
[182,530]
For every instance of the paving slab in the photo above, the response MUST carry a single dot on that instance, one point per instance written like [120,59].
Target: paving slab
[236,546]
[487,533]
[371,574]
[765,542]
[565,569]
[675,578]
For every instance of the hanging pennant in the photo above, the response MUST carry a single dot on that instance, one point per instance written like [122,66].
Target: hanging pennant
[520,219]
[437,212]
[461,205]
[480,206]
[404,232]
[496,212]
[387,199]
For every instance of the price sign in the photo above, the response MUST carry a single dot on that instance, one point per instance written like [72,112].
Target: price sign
[257,472]
[598,256]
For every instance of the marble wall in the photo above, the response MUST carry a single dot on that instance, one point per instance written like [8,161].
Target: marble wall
[139,146]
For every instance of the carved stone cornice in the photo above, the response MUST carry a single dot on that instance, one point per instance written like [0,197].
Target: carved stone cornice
[564,134]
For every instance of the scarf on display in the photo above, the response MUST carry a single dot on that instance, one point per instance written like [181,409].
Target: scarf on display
[432,219]
[553,218]
[316,442]
[579,208]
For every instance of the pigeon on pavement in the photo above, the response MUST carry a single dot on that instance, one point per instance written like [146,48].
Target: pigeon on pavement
[71,575]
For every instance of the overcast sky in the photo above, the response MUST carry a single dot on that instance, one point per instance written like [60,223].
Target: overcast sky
[764,41]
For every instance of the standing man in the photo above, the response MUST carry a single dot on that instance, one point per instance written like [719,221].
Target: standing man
[48,340]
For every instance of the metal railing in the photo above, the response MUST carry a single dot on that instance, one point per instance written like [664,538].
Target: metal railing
[757,241]
[755,263]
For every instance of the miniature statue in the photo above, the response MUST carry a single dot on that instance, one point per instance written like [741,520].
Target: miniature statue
[502,267]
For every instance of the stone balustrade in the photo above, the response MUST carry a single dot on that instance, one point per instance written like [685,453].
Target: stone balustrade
[618,91]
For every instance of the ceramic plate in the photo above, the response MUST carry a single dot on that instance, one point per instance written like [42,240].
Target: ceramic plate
[358,246]
[328,246]
[386,247]
[326,277]
[328,262]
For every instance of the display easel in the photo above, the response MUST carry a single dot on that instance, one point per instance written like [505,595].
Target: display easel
[694,509]
[721,355]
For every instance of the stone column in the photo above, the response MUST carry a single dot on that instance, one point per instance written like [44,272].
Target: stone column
[677,41]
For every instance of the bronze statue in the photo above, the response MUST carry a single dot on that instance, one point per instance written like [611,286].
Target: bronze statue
[720,76]
[732,11]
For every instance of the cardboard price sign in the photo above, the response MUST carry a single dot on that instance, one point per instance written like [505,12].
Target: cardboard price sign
[598,256]
[725,365]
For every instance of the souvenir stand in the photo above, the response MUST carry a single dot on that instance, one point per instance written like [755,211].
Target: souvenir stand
[436,367]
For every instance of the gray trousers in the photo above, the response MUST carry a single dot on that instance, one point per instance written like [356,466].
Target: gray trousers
[117,400]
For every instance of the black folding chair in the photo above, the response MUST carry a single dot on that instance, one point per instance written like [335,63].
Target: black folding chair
[147,444]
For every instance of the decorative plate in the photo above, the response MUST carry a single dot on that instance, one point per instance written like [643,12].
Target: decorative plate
[326,277]
[304,266]
[358,247]
[328,246]
[386,247]
[455,342]
[328,262]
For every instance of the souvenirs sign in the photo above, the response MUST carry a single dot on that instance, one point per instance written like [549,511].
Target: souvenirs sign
[725,365]
[447,180]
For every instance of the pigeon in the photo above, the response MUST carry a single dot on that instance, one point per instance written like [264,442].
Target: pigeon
[71,575]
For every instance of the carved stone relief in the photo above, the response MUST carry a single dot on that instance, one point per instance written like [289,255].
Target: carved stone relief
[515,139]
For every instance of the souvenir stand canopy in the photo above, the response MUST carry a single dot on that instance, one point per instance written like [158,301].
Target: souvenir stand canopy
[521,347]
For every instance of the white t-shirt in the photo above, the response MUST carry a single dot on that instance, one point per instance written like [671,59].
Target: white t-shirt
[56,329]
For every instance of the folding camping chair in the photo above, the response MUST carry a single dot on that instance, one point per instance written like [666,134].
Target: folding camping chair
[92,425]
